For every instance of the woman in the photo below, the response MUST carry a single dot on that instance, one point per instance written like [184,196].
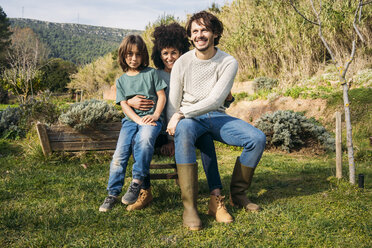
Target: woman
[170,42]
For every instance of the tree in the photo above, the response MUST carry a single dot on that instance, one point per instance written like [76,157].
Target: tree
[4,36]
[25,57]
[57,74]
[342,67]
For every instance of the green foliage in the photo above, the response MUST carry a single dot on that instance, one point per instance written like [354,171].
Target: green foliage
[57,74]
[78,43]
[88,114]
[294,92]
[10,123]
[41,109]
[4,36]
[265,83]
[291,131]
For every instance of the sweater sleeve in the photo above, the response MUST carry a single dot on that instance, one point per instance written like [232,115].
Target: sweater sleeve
[217,95]
[175,90]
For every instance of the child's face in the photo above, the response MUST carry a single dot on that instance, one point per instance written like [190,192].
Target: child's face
[133,58]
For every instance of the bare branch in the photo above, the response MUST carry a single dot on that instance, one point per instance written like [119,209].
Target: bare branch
[358,10]
[303,16]
[350,60]
[362,4]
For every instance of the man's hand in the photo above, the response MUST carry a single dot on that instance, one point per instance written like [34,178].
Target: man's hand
[140,102]
[172,124]
[168,149]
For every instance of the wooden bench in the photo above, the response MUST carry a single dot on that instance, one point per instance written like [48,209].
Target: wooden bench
[101,138]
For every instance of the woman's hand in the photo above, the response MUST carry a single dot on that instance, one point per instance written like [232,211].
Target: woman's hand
[140,102]
[172,124]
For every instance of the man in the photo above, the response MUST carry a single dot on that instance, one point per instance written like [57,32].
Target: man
[200,81]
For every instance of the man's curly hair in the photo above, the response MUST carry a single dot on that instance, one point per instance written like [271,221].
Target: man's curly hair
[168,36]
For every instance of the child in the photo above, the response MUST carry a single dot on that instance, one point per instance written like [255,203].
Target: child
[139,128]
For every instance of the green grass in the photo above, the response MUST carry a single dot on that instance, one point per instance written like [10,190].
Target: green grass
[54,203]
[4,106]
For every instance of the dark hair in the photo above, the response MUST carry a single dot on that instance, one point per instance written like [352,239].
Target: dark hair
[210,21]
[126,46]
[168,36]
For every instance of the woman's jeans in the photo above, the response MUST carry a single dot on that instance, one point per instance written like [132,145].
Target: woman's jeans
[209,160]
[223,128]
[140,139]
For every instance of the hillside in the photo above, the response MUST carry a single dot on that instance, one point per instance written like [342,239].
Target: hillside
[78,43]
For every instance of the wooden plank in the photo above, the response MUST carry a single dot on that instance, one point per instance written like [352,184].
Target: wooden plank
[75,137]
[43,137]
[163,166]
[164,176]
[83,146]
[112,126]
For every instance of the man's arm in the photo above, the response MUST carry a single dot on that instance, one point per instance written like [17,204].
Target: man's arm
[140,102]
[217,95]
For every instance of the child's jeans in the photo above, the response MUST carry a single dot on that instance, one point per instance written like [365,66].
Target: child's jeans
[142,138]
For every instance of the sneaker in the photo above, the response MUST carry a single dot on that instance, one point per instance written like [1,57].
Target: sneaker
[132,193]
[108,203]
[145,198]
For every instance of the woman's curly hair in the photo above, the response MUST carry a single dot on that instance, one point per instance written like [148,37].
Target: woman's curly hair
[168,36]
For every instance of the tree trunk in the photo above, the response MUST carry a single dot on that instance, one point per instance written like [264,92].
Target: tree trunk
[349,138]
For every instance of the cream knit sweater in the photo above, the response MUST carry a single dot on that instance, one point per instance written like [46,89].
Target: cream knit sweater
[200,86]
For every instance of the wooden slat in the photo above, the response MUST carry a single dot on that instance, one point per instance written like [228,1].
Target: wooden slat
[75,137]
[114,126]
[164,176]
[163,166]
[83,146]
[43,137]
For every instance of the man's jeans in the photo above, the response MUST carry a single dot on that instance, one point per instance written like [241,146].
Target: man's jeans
[142,138]
[223,128]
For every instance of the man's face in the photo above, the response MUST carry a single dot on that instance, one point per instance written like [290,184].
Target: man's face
[202,38]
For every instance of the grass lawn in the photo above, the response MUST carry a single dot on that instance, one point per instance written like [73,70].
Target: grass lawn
[54,203]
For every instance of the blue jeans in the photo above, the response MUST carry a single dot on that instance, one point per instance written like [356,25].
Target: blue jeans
[142,138]
[209,160]
[223,128]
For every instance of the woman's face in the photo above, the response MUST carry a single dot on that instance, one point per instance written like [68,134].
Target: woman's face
[169,55]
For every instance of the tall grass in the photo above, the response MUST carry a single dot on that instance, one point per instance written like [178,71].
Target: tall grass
[269,38]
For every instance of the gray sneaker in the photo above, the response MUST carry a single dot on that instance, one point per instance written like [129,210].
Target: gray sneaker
[132,193]
[108,203]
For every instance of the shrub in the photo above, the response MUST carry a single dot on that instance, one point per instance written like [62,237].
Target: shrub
[87,114]
[265,83]
[291,130]
[10,123]
[43,110]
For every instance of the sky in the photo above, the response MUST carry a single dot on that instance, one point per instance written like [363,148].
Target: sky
[127,14]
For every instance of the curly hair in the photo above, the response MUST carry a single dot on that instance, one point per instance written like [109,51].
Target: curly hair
[168,36]
[210,21]
[126,46]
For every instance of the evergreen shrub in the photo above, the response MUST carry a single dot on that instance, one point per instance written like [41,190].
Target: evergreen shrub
[43,110]
[10,123]
[266,83]
[292,131]
[87,114]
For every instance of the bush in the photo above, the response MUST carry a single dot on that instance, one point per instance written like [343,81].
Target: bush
[291,130]
[87,114]
[10,123]
[265,83]
[42,110]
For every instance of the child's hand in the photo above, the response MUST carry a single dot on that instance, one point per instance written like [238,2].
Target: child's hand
[150,118]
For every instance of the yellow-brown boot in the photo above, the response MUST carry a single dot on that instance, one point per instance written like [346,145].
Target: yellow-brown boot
[145,198]
[188,181]
[240,182]
[217,208]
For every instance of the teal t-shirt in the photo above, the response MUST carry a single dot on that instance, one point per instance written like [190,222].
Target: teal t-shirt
[145,83]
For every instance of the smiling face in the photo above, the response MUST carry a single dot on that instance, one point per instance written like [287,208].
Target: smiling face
[169,55]
[202,38]
[133,58]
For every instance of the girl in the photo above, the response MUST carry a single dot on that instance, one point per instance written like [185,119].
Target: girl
[140,128]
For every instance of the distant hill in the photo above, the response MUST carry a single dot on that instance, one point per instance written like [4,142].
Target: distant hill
[78,43]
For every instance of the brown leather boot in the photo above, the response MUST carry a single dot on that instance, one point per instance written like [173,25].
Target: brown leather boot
[217,208]
[145,198]
[188,181]
[240,181]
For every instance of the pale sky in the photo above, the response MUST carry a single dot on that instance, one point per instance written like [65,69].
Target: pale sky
[128,14]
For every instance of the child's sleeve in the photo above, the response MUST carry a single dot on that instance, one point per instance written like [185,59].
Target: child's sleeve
[159,83]
[120,96]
